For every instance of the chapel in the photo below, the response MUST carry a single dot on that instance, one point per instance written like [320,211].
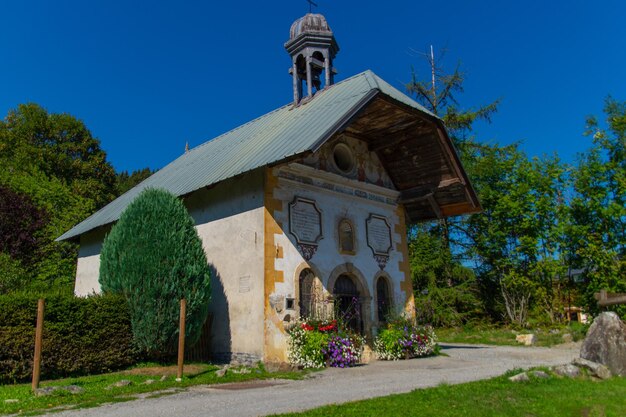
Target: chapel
[303,211]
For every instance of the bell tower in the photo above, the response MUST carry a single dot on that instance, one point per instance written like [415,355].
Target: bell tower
[312,47]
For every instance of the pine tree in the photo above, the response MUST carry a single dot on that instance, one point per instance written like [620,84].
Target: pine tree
[154,256]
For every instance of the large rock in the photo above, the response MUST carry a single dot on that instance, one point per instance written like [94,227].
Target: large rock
[596,369]
[568,370]
[606,343]
[526,339]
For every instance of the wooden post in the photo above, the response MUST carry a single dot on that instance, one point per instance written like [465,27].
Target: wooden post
[38,340]
[181,340]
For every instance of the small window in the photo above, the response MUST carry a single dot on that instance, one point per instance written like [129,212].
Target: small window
[343,159]
[346,236]
[383,298]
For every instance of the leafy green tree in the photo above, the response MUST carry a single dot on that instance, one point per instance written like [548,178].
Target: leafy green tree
[12,274]
[54,162]
[60,146]
[53,266]
[153,256]
[126,181]
[518,239]
[598,208]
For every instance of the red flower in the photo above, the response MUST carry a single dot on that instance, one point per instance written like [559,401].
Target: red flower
[307,327]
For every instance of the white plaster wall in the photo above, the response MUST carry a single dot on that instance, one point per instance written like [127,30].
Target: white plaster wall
[229,219]
[336,206]
[88,264]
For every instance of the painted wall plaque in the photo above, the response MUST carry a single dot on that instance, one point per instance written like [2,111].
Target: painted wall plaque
[379,238]
[305,223]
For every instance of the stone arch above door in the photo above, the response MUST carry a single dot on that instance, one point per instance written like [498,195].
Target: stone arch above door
[349,269]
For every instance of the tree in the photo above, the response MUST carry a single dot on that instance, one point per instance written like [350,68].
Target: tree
[598,209]
[153,256]
[21,222]
[60,146]
[517,240]
[445,289]
[54,162]
[517,244]
[126,181]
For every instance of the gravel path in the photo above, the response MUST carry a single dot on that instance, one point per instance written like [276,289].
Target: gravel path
[464,363]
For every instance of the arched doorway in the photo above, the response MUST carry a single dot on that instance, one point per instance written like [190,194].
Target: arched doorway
[348,302]
[306,296]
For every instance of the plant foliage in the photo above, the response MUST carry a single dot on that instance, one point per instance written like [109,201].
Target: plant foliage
[81,336]
[403,339]
[153,256]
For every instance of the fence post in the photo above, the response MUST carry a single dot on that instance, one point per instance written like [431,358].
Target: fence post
[181,339]
[38,340]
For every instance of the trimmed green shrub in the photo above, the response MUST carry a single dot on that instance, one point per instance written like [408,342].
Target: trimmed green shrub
[154,257]
[81,336]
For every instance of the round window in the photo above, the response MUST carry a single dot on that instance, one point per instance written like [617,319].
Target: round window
[342,156]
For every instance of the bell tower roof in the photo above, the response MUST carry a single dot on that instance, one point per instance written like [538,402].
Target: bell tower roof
[309,23]
[312,47]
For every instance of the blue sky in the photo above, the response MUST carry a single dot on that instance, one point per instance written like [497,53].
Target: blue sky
[148,76]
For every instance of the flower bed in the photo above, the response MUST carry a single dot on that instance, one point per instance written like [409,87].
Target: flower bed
[315,344]
[403,339]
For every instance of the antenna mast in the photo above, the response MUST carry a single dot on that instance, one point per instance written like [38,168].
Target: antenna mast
[432,71]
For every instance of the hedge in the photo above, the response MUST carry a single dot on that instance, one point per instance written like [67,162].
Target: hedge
[81,336]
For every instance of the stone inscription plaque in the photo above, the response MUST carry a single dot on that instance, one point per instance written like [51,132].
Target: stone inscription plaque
[378,234]
[305,221]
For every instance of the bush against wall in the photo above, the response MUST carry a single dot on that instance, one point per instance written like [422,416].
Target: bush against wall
[404,339]
[81,336]
[319,343]
[154,256]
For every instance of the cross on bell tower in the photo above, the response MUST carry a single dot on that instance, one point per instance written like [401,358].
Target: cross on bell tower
[312,47]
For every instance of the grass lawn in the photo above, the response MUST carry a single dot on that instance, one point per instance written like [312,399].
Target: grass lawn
[96,393]
[493,335]
[552,397]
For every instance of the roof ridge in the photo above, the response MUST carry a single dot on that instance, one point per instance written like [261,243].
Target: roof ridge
[302,128]
[222,135]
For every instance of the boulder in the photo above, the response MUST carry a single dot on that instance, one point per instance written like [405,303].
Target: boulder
[526,339]
[11,401]
[118,384]
[606,343]
[540,374]
[41,392]
[220,372]
[568,370]
[72,389]
[596,369]
[567,338]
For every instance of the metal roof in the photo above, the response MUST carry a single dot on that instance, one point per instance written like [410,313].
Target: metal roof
[277,135]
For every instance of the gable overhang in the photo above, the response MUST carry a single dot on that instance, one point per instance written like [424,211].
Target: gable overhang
[417,153]
[411,142]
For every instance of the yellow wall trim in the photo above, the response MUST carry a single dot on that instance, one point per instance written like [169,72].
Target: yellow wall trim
[404,266]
